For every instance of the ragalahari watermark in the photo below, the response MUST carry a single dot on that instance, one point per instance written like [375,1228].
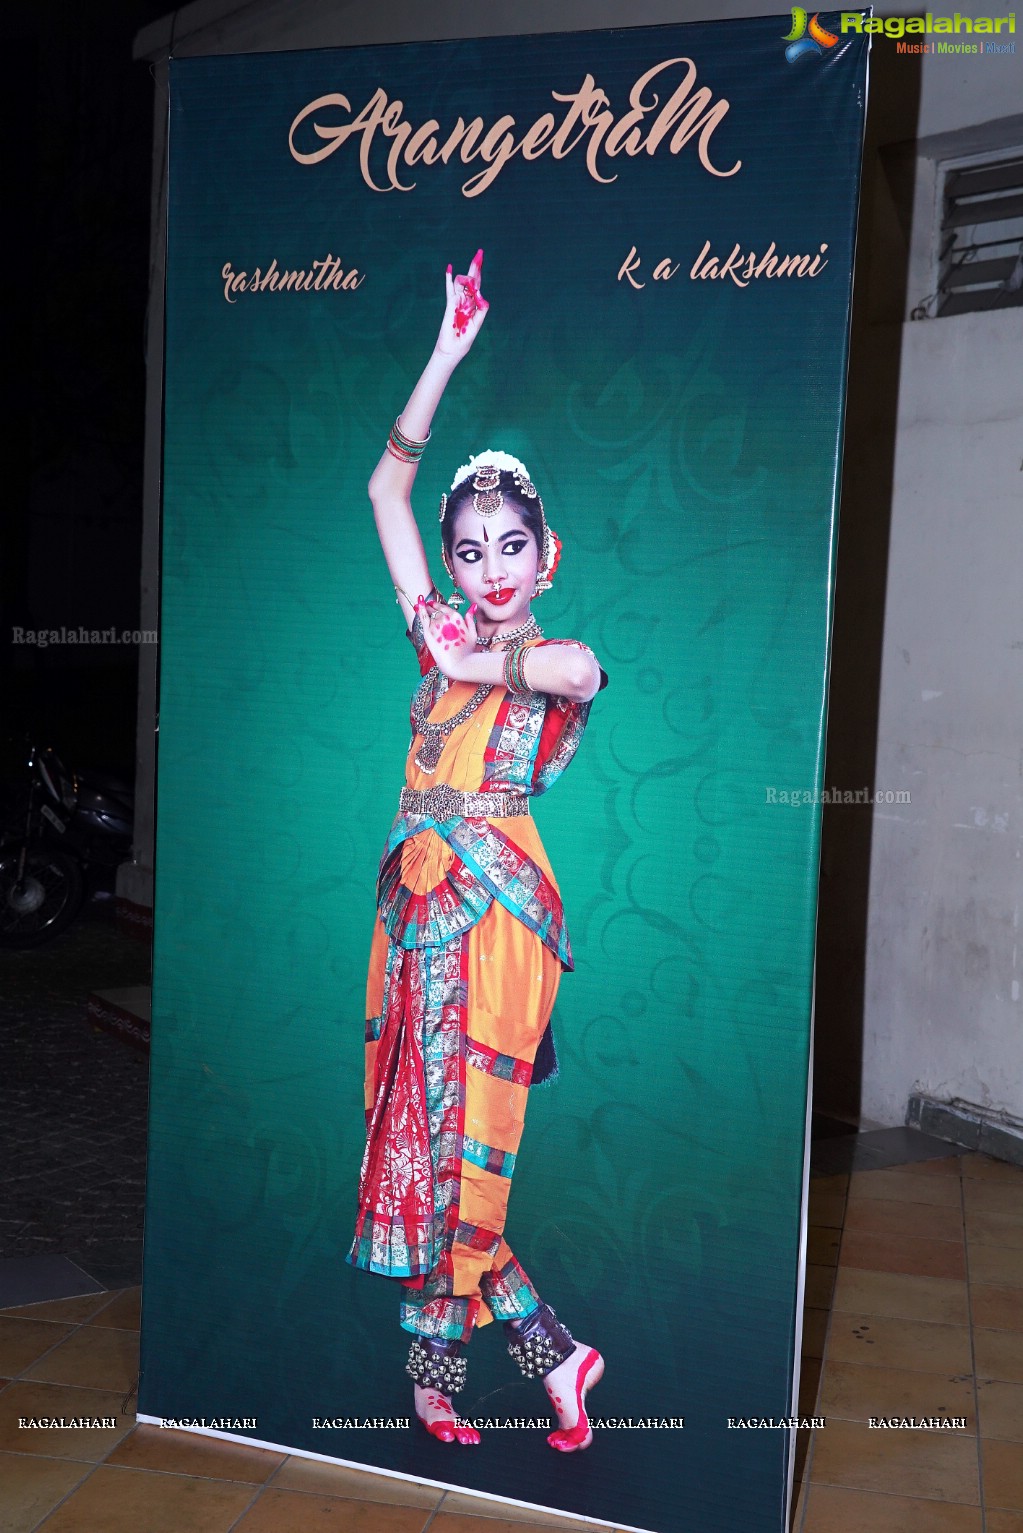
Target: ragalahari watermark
[795,797]
[46,638]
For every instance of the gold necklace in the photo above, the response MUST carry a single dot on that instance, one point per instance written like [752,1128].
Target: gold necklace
[428,755]
[529,629]
[434,735]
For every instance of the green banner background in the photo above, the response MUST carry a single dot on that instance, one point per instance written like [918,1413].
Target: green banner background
[685,439]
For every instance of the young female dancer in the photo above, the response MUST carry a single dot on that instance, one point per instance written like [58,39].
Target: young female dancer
[469,940]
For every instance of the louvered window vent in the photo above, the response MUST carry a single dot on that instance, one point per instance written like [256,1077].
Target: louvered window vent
[980,262]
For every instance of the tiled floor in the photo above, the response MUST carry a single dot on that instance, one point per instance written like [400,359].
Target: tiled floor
[914,1297]
[73,1106]
[914,1308]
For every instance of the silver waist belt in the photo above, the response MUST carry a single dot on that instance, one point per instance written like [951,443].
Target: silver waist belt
[442,802]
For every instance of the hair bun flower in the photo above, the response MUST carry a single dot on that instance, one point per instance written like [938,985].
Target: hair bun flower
[557,553]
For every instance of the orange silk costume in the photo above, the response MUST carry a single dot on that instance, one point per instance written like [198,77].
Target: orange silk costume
[468,948]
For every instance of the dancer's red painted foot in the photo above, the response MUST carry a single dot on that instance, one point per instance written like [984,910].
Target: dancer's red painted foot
[440,1418]
[567,1385]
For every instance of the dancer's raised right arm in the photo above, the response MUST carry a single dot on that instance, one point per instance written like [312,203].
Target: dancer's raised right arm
[390,487]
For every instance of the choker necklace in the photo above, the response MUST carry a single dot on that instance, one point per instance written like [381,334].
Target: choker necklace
[530,629]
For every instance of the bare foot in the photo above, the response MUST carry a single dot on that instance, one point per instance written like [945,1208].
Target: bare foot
[440,1418]
[567,1385]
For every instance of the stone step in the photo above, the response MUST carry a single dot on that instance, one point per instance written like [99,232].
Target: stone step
[125,1011]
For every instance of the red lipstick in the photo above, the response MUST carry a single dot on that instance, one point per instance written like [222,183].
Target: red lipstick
[500,597]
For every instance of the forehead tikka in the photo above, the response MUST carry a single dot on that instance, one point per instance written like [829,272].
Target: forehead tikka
[487,499]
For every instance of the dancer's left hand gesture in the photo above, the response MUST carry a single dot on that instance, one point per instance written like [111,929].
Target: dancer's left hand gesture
[450,637]
[465,310]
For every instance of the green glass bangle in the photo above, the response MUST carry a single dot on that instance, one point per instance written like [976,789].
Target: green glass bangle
[408,442]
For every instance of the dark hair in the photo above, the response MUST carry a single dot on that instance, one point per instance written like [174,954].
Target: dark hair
[529,510]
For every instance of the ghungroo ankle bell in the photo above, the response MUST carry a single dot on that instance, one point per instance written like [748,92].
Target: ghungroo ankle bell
[436,1364]
[539,1343]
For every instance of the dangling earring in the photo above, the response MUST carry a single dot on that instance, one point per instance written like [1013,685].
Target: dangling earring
[456,599]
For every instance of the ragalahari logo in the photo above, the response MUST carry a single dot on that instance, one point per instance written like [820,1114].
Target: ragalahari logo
[801,45]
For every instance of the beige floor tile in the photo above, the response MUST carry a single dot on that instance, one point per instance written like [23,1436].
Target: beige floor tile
[71,1311]
[287,1511]
[929,1465]
[943,1165]
[1001,1197]
[460,1505]
[995,1264]
[207,1458]
[983,1228]
[976,1167]
[798,1501]
[804,1439]
[815,1330]
[822,1245]
[123,1311]
[1002,1470]
[354,1484]
[900,1186]
[881,1342]
[809,1385]
[1001,1409]
[820,1282]
[826,1208]
[999,1309]
[23,1341]
[1002,1522]
[855,1392]
[897,1253]
[93,1357]
[902,1219]
[831,1509]
[839,1183]
[459,1522]
[29,1398]
[132,1500]
[999,1355]
[32,1486]
[901,1295]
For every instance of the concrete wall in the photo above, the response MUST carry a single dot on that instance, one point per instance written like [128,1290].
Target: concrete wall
[944,961]
[917,979]
[917,984]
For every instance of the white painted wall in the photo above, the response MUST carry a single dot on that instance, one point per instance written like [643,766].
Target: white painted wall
[939,1008]
[943,1011]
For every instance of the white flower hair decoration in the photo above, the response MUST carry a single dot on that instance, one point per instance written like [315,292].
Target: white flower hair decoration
[498,460]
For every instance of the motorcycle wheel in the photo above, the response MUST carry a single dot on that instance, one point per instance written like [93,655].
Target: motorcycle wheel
[46,899]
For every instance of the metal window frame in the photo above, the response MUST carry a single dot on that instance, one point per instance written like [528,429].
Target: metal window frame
[966,281]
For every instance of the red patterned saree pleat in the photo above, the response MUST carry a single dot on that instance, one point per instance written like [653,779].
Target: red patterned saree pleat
[396,1183]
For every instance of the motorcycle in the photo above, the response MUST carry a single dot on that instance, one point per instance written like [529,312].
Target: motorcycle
[65,835]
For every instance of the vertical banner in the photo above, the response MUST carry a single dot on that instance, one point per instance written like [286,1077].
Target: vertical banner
[667,217]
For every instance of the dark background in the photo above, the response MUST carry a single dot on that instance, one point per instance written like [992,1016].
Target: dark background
[79,146]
